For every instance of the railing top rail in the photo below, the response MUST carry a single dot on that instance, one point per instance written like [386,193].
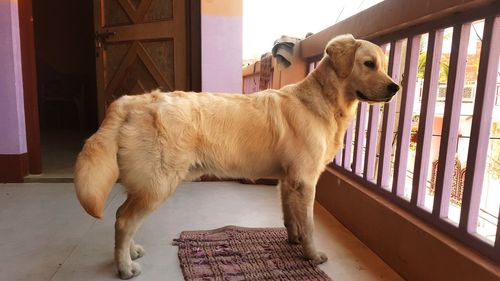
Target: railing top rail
[394,19]
[251,69]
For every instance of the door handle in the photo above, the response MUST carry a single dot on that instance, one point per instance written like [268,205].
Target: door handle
[101,37]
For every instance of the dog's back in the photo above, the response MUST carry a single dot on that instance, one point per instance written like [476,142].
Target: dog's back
[188,134]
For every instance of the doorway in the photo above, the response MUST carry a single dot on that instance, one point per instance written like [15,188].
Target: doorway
[69,96]
[66,80]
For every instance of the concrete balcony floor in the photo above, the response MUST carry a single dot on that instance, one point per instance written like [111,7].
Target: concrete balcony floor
[46,235]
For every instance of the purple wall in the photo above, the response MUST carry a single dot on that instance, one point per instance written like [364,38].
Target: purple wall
[221,55]
[12,126]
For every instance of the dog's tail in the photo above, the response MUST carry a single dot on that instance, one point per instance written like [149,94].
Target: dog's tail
[96,168]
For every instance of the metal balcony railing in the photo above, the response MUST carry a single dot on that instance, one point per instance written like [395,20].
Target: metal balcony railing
[393,148]
[409,149]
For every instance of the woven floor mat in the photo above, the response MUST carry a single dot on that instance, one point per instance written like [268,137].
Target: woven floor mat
[238,253]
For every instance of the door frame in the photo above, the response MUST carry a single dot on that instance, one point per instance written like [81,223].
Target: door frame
[194,45]
[30,84]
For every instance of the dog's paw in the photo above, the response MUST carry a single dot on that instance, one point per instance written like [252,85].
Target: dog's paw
[130,271]
[318,258]
[136,251]
[294,239]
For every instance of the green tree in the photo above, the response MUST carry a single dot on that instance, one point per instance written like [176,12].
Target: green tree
[444,60]
[443,67]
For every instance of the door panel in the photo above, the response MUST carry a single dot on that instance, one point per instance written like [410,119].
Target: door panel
[140,46]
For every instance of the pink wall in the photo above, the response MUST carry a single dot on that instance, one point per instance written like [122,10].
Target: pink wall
[221,45]
[12,124]
[221,65]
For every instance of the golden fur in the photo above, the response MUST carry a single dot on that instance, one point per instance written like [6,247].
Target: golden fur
[154,141]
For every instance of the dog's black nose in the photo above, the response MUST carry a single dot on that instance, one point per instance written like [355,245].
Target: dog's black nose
[393,88]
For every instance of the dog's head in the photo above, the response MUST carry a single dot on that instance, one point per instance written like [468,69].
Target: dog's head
[361,66]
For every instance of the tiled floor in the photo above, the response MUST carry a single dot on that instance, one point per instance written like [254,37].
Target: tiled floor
[46,235]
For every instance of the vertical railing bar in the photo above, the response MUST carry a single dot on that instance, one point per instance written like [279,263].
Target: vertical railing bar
[371,142]
[405,113]
[312,66]
[271,80]
[449,135]
[338,157]
[481,124]
[497,238]
[384,168]
[426,122]
[359,137]
[348,147]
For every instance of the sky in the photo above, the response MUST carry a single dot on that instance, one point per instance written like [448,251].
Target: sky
[266,20]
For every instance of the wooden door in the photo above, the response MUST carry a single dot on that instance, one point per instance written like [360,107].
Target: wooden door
[141,45]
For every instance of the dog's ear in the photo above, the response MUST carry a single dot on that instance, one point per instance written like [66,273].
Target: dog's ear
[342,50]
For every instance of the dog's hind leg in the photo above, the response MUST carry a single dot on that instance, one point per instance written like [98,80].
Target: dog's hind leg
[136,251]
[129,217]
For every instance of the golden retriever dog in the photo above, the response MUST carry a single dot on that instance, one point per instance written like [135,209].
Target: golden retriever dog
[156,140]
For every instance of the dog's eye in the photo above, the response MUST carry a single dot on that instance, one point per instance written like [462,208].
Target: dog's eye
[370,64]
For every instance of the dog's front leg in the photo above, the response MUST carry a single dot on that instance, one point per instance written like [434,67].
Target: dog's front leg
[303,208]
[287,205]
